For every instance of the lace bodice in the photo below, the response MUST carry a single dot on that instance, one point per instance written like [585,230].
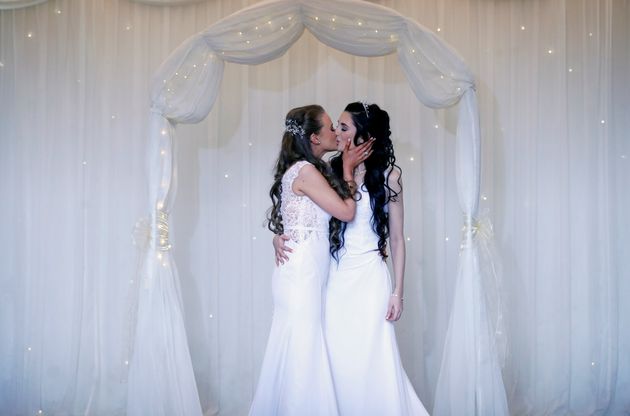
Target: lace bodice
[301,217]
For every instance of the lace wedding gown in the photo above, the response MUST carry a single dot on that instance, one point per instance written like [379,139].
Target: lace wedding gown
[295,378]
[368,375]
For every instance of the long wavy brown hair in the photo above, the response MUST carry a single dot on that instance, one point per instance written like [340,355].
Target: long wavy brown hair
[295,147]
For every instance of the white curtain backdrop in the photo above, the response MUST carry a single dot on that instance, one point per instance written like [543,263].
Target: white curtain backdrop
[552,81]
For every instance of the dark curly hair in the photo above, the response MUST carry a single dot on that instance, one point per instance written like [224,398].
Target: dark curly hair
[370,121]
[296,146]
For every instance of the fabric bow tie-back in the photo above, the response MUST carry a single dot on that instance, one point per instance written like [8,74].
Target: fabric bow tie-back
[142,235]
[492,278]
[481,229]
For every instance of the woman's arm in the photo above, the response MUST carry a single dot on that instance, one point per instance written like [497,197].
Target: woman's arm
[281,248]
[311,182]
[397,243]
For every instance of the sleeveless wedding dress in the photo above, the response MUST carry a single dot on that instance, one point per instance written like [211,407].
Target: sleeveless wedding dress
[367,372]
[295,378]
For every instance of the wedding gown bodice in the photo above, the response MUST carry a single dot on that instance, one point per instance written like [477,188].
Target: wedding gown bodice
[359,237]
[301,217]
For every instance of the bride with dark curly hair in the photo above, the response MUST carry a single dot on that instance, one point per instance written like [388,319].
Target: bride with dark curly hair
[360,304]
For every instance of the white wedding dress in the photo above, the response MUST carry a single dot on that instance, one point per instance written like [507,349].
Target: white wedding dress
[368,375]
[295,378]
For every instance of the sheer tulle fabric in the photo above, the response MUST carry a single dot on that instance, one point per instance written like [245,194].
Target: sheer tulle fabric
[187,83]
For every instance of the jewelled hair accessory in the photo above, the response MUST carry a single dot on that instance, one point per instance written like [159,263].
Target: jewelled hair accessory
[365,108]
[294,128]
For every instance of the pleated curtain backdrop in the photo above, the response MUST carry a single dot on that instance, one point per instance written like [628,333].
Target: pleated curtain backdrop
[552,82]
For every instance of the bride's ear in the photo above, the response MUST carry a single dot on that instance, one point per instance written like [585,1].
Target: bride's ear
[315,139]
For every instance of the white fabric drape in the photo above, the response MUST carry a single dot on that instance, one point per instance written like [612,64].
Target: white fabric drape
[552,84]
[16,4]
[184,90]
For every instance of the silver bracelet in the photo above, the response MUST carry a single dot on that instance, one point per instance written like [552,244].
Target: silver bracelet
[396,295]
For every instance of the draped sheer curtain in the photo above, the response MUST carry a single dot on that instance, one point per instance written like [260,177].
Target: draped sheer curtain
[74,88]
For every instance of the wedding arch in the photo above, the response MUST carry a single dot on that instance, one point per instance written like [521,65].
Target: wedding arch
[161,379]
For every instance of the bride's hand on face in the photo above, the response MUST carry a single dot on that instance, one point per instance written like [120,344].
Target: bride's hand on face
[394,308]
[354,156]
[281,249]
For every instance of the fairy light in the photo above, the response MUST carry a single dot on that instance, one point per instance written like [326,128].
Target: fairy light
[550,51]
[522,27]
[29,35]
[570,69]
[439,30]
[412,159]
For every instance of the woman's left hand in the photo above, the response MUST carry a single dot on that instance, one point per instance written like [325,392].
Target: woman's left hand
[394,308]
[353,157]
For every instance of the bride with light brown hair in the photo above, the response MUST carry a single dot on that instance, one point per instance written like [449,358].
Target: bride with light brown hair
[295,378]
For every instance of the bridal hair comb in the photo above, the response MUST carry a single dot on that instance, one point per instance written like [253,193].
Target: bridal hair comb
[365,107]
[292,127]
